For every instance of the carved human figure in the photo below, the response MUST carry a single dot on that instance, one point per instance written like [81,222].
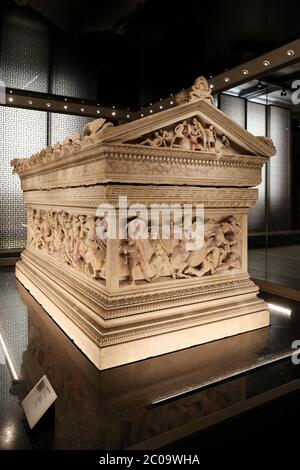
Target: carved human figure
[211,137]
[133,258]
[157,141]
[160,261]
[225,142]
[178,259]
[180,134]
[198,131]
[167,137]
[200,90]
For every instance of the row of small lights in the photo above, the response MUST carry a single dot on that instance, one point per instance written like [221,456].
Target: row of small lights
[82,109]
[266,63]
[160,106]
[65,106]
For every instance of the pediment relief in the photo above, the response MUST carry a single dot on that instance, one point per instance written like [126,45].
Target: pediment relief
[194,125]
[240,140]
[190,134]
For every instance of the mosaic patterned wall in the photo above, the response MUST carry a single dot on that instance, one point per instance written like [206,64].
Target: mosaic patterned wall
[24,64]
[63,126]
[24,51]
[22,132]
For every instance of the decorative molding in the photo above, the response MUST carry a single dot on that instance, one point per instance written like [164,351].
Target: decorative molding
[91,196]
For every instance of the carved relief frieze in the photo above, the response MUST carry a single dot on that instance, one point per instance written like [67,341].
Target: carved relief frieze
[72,239]
[189,134]
[146,259]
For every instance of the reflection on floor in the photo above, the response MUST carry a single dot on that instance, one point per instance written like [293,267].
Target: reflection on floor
[147,404]
[276,264]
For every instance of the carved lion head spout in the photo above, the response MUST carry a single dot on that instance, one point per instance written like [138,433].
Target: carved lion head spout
[199,91]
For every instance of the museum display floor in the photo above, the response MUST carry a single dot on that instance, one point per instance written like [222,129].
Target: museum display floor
[148,404]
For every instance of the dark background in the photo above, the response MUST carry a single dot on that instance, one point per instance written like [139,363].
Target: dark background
[132,52]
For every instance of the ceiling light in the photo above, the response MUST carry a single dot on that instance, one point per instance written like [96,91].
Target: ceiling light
[48,105]
[142,115]
[161,107]
[66,99]
[10,99]
[98,111]
[211,86]
[10,91]
[113,107]
[82,110]
[65,106]
[226,79]
[113,113]
[29,101]
[290,52]
[151,111]
[171,102]
[266,63]
[98,104]
[128,116]
[245,72]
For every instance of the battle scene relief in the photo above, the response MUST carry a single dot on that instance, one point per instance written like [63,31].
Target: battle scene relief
[189,134]
[153,259]
[72,239]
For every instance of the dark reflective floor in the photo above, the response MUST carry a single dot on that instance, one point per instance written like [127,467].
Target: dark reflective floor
[147,404]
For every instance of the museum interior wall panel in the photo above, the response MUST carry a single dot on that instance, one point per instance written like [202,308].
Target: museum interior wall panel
[257,125]
[279,216]
[24,50]
[72,75]
[26,62]
[16,139]
[62,126]
[234,107]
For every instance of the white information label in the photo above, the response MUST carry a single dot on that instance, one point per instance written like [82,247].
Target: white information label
[38,401]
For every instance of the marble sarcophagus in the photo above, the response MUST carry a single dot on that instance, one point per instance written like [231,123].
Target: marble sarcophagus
[123,298]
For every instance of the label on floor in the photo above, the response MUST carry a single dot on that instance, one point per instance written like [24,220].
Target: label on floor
[38,401]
